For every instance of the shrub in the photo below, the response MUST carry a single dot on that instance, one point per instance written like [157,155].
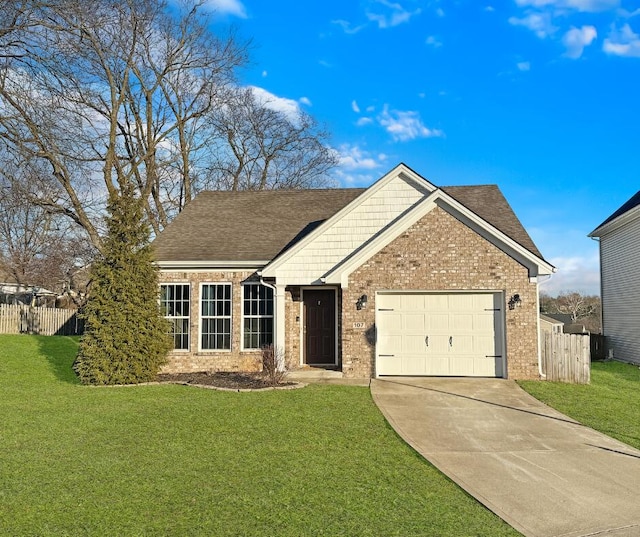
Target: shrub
[273,369]
[126,339]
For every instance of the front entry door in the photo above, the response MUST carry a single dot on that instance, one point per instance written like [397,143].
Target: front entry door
[319,326]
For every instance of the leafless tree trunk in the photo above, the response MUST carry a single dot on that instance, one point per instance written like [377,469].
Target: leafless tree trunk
[102,94]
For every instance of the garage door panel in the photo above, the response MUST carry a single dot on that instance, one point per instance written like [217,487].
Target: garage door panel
[414,364]
[413,302]
[436,302]
[461,302]
[437,364]
[413,344]
[484,323]
[437,322]
[461,322]
[414,322]
[457,334]
[393,322]
[486,367]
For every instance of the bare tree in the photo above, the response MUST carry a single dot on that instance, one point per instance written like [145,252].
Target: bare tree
[36,247]
[261,147]
[99,95]
[103,92]
[584,309]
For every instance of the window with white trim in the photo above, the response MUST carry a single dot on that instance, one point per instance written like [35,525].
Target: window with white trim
[215,316]
[257,316]
[174,305]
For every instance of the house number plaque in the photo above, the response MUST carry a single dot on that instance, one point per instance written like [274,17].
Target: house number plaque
[358,325]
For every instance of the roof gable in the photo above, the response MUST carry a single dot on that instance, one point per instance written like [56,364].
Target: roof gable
[314,233]
[387,199]
[629,210]
[439,198]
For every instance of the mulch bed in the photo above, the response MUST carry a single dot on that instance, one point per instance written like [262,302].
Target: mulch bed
[231,381]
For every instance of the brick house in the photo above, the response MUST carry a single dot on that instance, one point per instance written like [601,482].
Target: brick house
[401,278]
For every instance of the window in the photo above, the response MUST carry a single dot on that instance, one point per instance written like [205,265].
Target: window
[174,305]
[258,316]
[215,300]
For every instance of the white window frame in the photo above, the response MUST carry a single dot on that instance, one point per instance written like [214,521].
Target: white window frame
[171,318]
[229,317]
[258,316]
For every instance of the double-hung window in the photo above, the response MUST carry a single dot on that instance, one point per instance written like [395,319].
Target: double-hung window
[174,305]
[215,317]
[258,316]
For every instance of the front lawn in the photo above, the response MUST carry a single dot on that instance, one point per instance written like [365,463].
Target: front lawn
[609,404]
[176,460]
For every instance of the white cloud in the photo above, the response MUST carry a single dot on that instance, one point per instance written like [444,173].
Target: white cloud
[305,100]
[490,9]
[355,107]
[628,14]
[623,42]
[264,73]
[433,41]
[578,273]
[288,107]
[388,14]
[578,5]
[227,7]
[356,166]
[523,66]
[538,22]
[364,121]
[576,39]
[405,125]
[440,12]
[370,108]
[346,26]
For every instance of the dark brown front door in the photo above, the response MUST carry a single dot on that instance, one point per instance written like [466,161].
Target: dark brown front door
[319,326]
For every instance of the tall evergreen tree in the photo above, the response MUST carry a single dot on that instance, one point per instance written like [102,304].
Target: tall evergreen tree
[126,339]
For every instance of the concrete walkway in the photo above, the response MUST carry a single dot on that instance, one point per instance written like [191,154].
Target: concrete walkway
[542,472]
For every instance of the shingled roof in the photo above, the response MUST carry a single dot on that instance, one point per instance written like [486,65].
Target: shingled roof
[489,204]
[259,225]
[631,203]
[247,225]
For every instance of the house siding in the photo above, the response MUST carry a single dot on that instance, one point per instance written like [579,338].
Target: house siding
[619,254]
[439,253]
[194,360]
[351,231]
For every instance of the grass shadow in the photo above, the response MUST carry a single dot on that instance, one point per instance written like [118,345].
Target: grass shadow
[60,352]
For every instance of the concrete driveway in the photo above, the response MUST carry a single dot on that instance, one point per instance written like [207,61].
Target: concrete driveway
[542,472]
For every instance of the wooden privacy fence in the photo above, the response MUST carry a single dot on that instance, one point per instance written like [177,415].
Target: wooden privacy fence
[566,357]
[20,319]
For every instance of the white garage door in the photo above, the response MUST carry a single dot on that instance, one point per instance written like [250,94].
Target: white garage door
[458,334]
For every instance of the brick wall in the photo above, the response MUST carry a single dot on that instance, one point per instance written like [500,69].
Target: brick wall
[440,253]
[194,360]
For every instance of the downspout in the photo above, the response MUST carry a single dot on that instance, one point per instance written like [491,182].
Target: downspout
[275,318]
[543,375]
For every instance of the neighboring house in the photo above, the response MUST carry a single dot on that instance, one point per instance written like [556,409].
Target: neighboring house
[550,324]
[562,318]
[401,278]
[619,237]
[30,295]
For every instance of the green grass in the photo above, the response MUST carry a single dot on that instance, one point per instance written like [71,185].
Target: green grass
[609,404]
[175,460]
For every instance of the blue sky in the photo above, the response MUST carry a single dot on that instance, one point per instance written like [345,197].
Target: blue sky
[541,97]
